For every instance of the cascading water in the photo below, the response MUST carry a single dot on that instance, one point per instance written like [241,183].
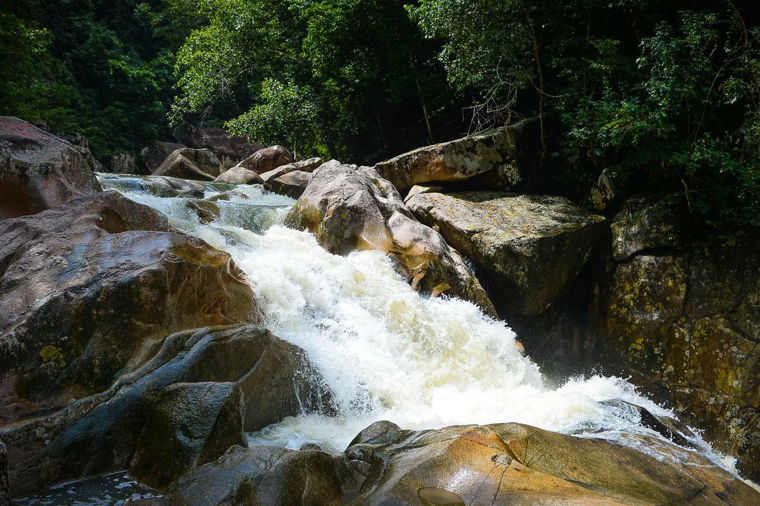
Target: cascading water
[385,351]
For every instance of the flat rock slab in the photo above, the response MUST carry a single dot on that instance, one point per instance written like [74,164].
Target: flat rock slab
[455,160]
[531,247]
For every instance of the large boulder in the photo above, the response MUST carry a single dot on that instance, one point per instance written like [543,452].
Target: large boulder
[88,287]
[122,163]
[238,175]
[188,425]
[309,165]
[187,163]
[266,475]
[530,247]
[493,151]
[267,159]
[492,464]
[292,184]
[102,432]
[683,320]
[230,149]
[39,170]
[154,155]
[646,225]
[518,464]
[349,208]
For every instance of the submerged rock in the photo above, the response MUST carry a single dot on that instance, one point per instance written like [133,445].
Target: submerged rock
[457,160]
[490,464]
[531,247]
[39,170]
[188,425]
[349,208]
[187,163]
[100,433]
[88,287]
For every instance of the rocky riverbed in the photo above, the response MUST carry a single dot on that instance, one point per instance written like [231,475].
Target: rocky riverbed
[334,344]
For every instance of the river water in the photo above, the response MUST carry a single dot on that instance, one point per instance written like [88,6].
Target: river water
[386,352]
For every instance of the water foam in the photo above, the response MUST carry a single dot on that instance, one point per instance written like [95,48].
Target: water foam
[385,351]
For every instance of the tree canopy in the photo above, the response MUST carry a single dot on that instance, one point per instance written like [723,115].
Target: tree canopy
[665,95]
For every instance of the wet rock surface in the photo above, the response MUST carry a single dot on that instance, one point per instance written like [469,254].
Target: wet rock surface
[100,433]
[350,208]
[491,464]
[188,425]
[62,333]
[39,170]
[530,246]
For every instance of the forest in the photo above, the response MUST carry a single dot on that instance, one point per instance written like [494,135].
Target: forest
[662,94]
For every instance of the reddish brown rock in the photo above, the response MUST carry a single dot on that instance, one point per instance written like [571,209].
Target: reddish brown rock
[39,170]
[88,287]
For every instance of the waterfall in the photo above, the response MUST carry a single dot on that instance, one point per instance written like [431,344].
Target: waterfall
[385,351]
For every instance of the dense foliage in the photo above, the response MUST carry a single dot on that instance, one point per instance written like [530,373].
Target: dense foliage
[664,95]
[87,66]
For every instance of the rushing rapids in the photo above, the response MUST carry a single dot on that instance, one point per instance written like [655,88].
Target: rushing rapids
[384,351]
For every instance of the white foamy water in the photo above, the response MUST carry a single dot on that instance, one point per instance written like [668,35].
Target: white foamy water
[386,352]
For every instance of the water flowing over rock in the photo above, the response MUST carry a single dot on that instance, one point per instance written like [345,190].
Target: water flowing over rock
[349,208]
[102,432]
[39,170]
[494,151]
[490,464]
[685,322]
[115,279]
[531,247]
[189,163]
